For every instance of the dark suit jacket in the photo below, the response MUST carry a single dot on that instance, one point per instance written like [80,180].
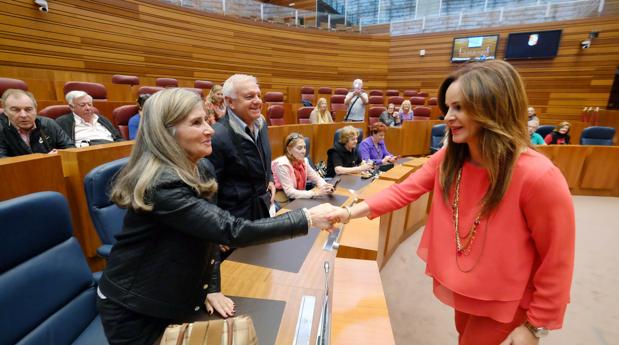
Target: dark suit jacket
[46,137]
[67,123]
[162,264]
[242,182]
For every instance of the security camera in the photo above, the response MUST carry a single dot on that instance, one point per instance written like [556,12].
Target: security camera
[43,6]
[585,44]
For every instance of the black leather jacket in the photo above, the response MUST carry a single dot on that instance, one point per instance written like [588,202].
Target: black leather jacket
[162,264]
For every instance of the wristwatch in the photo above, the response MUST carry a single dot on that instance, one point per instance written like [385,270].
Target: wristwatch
[538,332]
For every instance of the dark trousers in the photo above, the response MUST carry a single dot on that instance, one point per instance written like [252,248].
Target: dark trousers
[123,326]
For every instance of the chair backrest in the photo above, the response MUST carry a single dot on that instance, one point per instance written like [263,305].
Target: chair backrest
[55,111]
[203,84]
[375,93]
[392,93]
[166,82]
[303,114]
[336,136]
[121,116]
[149,90]
[275,113]
[421,112]
[10,83]
[307,93]
[374,114]
[410,93]
[125,79]
[422,94]
[95,90]
[396,100]
[106,216]
[597,135]
[47,291]
[417,100]
[433,101]
[273,97]
[376,100]
[337,103]
[196,90]
[544,130]
[340,91]
[436,138]
[325,90]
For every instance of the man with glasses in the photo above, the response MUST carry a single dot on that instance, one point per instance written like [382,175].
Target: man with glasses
[22,132]
[82,125]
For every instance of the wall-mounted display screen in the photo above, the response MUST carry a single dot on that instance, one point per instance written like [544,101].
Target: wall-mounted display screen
[474,48]
[533,45]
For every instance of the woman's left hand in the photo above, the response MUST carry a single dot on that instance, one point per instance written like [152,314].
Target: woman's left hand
[520,336]
[220,303]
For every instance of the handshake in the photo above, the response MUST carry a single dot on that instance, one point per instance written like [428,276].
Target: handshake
[325,216]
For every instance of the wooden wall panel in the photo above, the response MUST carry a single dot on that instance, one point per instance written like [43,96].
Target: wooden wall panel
[558,87]
[91,40]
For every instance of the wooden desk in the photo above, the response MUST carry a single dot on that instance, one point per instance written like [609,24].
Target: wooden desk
[359,239]
[373,188]
[396,174]
[416,163]
[359,314]
[30,174]
[76,163]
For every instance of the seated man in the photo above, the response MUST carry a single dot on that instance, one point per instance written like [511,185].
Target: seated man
[22,132]
[83,126]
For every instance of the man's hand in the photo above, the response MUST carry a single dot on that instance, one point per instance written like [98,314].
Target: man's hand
[220,303]
[271,188]
[520,336]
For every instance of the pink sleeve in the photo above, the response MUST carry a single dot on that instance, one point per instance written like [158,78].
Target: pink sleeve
[402,194]
[549,213]
[285,175]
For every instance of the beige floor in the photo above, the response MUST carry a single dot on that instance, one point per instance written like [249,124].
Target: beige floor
[592,317]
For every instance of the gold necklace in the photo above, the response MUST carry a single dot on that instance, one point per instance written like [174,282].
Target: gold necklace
[463,243]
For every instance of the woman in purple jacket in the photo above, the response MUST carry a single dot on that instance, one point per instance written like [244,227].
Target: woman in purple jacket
[373,147]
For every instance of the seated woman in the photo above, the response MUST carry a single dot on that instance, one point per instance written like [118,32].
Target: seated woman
[390,117]
[560,135]
[164,267]
[536,139]
[134,121]
[373,147]
[320,114]
[342,158]
[406,111]
[215,102]
[292,170]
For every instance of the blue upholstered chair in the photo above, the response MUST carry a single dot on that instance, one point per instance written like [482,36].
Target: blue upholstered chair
[436,138]
[544,130]
[106,216]
[597,135]
[47,292]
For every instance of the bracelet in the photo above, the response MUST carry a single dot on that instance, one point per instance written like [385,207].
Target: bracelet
[349,214]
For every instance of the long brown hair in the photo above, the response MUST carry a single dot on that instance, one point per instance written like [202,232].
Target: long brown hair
[493,96]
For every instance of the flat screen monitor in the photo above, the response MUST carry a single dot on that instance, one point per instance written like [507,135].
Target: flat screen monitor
[533,45]
[474,48]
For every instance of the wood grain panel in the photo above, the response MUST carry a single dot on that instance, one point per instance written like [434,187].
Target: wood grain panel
[559,88]
[30,174]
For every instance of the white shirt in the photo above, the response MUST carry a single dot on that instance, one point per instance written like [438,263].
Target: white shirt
[357,113]
[85,131]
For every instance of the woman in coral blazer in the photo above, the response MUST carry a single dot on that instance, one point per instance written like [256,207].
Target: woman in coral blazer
[498,246]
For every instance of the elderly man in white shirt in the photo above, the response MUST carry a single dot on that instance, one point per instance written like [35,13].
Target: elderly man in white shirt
[356,100]
[82,125]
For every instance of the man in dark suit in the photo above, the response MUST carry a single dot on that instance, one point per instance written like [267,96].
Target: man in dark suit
[242,152]
[22,132]
[83,125]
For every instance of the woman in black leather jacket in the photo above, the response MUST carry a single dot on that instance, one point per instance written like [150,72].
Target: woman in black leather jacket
[162,269]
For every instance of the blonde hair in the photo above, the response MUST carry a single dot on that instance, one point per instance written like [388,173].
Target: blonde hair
[347,133]
[211,95]
[562,124]
[321,117]
[493,96]
[156,149]
[406,102]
